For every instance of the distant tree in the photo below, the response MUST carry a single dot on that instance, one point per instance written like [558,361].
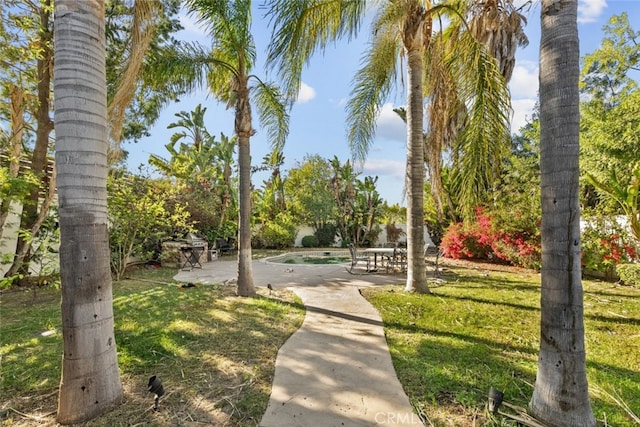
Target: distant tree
[308,191]
[204,166]
[610,112]
[141,217]
[368,211]
[275,225]
[393,215]
[401,30]
[625,192]
[561,393]
[90,382]
[27,68]
[343,188]
[228,68]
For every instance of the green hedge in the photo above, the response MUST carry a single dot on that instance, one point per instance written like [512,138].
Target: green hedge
[310,242]
[629,274]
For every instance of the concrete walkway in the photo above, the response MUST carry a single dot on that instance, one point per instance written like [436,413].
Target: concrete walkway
[336,369]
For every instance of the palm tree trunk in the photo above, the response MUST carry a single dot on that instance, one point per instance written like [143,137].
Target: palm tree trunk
[244,130]
[90,382]
[561,395]
[416,274]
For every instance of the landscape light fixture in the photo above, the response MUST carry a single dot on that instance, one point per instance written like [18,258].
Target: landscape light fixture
[155,386]
[495,399]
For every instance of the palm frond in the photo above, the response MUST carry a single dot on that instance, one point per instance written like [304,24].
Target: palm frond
[485,138]
[272,112]
[371,87]
[142,32]
[181,69]
[303,27]
[229,24]
[498,25]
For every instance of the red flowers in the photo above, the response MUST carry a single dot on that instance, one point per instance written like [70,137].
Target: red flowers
[482,239]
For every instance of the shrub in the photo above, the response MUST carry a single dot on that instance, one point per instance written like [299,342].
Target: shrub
[277,234]
[140,218]
[605,244]
[629,274]
[483,239]
[310,242]
[326,235]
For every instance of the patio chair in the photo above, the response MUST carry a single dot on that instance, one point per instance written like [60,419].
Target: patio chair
[223,247]
[434,252]
[358,258]
[397,262]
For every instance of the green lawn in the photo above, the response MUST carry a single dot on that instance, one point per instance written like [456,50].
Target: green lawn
[213,351]
[480,329]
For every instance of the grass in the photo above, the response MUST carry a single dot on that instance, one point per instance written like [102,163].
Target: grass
[214,352]
[480,329]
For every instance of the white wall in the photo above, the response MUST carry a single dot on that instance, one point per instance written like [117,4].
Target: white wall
[10,237]
[305,230]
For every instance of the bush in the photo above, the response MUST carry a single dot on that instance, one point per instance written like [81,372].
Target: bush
[629,274]
[277,234]
[310,242]
[484,240]
[326,235]
[605,244]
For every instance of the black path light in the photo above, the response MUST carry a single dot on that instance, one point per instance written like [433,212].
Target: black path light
[155,386]
[495,399]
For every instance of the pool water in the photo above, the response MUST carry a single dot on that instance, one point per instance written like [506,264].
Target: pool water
[320,258]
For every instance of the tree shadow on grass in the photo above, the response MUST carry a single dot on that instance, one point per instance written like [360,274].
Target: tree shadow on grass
[214,353]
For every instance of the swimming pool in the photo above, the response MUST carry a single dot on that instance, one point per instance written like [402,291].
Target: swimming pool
[311,258]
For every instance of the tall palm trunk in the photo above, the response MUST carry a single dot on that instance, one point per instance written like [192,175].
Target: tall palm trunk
[416,34]
[244,131]
[90,382]
[560,396]
[416,274]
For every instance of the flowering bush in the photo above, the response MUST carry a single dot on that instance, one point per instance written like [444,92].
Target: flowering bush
[629,274]
[605,244]
[484,239]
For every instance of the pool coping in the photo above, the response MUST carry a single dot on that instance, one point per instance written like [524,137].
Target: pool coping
[346,253]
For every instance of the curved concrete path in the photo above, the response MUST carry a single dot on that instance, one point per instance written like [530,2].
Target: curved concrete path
[336,369]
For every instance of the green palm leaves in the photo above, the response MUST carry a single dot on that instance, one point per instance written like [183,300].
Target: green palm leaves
[626,194]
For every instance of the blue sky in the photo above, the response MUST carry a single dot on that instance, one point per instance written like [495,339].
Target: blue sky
[317,124]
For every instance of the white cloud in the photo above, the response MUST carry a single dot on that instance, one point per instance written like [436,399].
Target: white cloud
[590,10]
[524,93]
[305,94]
[522,112]
[338,102]
[524,80]
[191,25]
[384,167]
[390,125]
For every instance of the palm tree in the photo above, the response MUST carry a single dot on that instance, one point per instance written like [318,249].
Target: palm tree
[561,395]
[401,29]
[498,25]
[201,159]
[90,381]
[229,77]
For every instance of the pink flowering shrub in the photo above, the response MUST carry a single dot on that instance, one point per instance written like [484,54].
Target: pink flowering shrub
[605,245]
[483,239]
